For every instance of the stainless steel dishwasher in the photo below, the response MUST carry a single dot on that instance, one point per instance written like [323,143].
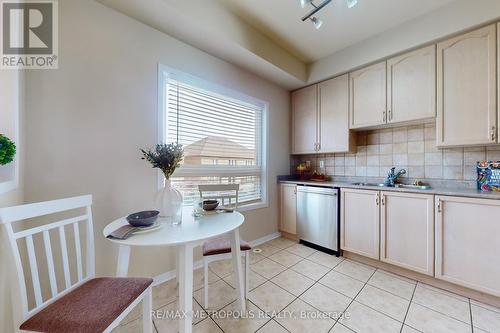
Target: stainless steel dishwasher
[318,217]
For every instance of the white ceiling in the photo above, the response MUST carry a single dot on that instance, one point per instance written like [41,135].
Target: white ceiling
[280,20]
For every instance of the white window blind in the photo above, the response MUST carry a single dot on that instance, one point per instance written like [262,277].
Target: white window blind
[222,135]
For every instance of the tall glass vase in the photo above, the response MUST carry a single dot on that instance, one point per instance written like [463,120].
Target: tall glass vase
[169,203]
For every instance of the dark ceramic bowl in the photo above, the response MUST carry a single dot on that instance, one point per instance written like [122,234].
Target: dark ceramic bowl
[210,204]
[143,219]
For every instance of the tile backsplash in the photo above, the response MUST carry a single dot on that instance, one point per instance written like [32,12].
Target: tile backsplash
[411,147]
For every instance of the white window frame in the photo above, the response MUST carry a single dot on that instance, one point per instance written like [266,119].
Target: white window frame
[164,73]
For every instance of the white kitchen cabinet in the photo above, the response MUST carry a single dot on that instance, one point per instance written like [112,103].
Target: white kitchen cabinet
[321,118]
[360,219]
[304,120]
[368,100]
[407,231]
[467,89]
[288,208]
[468,242]
[411,86]
[333,116]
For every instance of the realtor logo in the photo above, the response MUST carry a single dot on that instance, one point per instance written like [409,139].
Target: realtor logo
[29,34]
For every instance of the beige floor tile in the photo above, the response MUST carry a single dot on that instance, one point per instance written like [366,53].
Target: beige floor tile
[272,327]
[382,301]
[271,298]
[446,292]
[165,293]
[285,258]
[293,282]
[132,327]
[427,320]
[408,329]
[254,278]
[486,306]
[221,268]
[394,284]
[310,269]
[485,319]
[326,300]
[199,277]
[339,328]
[363,319]
[443,303]
[281,242]
[220,294]
[267,268]
[267,250]
[355,270]
[301,250]
[325,259]
[342,283]
[206,326]
[133,315]
[300,317]
[255,257]
[167,318]
[247,322]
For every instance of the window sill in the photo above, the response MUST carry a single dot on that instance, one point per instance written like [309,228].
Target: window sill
[252,206]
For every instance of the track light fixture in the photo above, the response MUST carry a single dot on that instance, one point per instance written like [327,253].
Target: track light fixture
[311,15]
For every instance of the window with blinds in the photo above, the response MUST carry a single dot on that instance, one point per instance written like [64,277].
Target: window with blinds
[222,133]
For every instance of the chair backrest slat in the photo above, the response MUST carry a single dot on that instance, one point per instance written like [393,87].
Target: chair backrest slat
[10,215]
[220,188]
[50,263]
[35,278]
[78,252]
[64,253]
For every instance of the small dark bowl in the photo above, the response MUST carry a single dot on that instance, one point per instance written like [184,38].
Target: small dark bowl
[210,204]
[143,219]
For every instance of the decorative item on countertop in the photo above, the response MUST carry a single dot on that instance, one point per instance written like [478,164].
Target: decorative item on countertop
[143,219]
[488,176]
[319,177]
[303,170]
[167,157]
[7,150]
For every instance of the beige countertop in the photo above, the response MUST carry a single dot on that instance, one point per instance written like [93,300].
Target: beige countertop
[459,192]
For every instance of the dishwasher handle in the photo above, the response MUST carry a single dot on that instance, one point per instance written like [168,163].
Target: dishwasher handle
[317,190]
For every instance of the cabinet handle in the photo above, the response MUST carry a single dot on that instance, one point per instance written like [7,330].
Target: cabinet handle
[492,133]
[376,199]
[383,200]
[319,146]
[384,116]
[439,206]
[390,114]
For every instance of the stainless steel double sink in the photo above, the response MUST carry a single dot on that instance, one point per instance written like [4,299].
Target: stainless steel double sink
[416,187]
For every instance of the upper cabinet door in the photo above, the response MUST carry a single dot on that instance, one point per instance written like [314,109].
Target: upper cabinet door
[368,96]
[334,115]
[467,88]
[411,86]
[304,120]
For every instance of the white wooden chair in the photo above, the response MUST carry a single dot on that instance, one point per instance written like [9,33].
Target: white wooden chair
[220,248]
[85,303]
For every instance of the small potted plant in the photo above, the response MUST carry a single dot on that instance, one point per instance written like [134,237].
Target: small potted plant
[7,150]
[167,157]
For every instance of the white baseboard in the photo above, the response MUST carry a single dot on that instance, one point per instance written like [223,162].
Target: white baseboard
[167,276]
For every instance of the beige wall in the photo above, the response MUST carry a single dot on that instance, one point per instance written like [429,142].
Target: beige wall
[11,109]
[87,120]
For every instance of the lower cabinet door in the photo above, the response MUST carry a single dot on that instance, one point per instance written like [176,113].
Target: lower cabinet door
[360,222]
[407,231]
[468,242]
[288,208]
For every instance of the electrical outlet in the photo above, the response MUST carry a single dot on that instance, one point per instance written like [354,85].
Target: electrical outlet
[321,164]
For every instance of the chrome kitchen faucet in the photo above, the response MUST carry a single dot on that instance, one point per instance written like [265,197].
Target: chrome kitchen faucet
[393,176]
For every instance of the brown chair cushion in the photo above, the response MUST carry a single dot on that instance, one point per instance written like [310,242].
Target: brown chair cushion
[90,308]
[222,245]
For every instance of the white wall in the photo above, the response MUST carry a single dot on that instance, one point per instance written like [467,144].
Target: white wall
[450,19]
[87,120]
[10,120]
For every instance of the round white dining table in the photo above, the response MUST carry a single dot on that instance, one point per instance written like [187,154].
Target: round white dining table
[185,236]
